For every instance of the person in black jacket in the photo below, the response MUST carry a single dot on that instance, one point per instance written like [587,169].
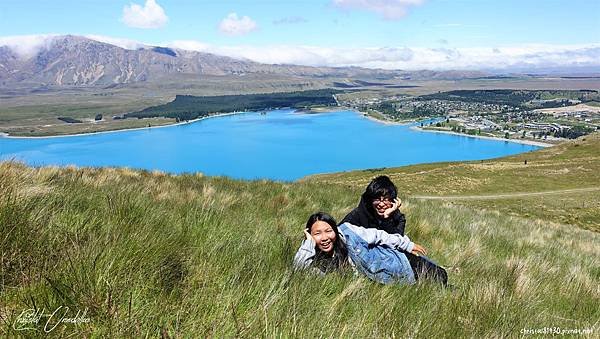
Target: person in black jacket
[378,208]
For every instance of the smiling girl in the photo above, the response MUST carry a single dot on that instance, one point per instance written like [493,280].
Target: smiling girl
[371,252]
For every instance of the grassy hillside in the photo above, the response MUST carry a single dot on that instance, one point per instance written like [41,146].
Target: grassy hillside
[559,184]
[149,254]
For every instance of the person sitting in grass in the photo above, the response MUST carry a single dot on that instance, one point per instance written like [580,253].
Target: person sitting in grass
[374,253]
[379,209]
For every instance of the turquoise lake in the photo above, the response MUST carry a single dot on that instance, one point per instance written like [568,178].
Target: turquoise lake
[282,145]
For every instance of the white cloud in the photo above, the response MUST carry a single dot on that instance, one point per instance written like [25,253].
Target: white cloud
[235,25]
[388,9]
[415,58]
[123,43]
[149,16]
[189,45]
[508,58]
[27,45]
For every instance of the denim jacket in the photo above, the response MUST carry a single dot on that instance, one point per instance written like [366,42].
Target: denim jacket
[371,252]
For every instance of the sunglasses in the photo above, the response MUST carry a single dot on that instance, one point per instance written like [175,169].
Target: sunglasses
[382,200]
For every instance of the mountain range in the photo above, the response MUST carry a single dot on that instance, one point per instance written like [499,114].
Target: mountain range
[78,61]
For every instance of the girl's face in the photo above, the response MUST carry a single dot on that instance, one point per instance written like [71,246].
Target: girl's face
[381,204]
[324,235]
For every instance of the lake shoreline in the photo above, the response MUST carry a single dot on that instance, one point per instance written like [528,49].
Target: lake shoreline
[417,128]
[8,136]
[307,111]
[302,111]
[524,142]
[387,122]
[271,145]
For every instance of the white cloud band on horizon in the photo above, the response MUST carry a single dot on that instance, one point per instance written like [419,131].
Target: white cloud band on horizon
[521,57]
[232,24]
[388,9]
[28,45]
[120,42]
[533,56]
[152,15]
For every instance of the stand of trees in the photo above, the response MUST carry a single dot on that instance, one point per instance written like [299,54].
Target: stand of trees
[69,120]
[573,133]
[188,107]
[495,96]
[515,98]
[388,108]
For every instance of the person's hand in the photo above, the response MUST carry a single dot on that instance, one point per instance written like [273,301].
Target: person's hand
[395,205]
[307,235]
[419,250]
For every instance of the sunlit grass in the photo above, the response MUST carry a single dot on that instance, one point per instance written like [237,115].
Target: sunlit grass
[192,256]
[571,165]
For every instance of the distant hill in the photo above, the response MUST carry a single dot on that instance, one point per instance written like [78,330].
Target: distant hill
[78,61]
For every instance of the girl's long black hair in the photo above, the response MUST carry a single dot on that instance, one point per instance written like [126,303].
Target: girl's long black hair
[323,261]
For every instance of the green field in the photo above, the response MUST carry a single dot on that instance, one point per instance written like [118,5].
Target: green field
[572,165]
[150,254]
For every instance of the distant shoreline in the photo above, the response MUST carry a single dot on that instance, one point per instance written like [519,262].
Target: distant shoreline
[417,128]
[7,136]
[304,111]
[386,122]
[525,142]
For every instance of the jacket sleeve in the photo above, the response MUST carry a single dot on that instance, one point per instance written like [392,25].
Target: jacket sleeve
[378,237]
[305,255]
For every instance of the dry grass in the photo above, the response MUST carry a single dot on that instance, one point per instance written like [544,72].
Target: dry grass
[150,254]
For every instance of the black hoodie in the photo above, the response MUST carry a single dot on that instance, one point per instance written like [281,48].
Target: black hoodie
[364,215]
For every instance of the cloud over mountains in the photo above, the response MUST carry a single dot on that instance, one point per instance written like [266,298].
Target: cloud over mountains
[514,58]
[521,58]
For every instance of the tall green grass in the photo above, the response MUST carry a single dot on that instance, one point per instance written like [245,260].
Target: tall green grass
[149,254]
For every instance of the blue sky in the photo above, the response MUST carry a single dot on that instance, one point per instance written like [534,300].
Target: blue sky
[399,29]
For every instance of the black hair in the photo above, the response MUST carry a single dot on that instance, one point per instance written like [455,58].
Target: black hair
[326,262]
[381,186]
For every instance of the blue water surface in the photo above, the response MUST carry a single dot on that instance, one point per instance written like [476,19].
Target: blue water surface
[281,145]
